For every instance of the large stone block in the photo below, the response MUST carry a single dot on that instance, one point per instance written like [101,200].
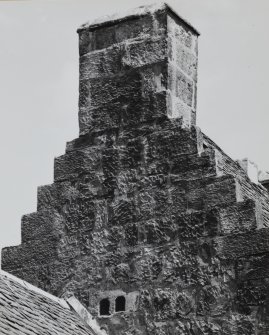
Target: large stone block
[151,202]
[182,57]
[182,33]
[197,224]
[238,218]
[241,245]
[114,117]
[206,192]
[79,216]
[39,224]
[126,182]
[132,156]
[165,146]
[96,38]
[120,88]
[36,252]
[180,264]
[168,303]
[107,62]
[54,196]
[180,86]
[194,166]
[99,119]
[253,267]
[117,58]
[131,234]
[72,164]
[251,294]
[142,53]
[157,231]
[214,299]
[121,212]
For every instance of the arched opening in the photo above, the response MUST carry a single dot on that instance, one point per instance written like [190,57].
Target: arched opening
[120,303]
[104,307]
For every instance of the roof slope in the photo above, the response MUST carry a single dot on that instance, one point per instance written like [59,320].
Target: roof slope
[27,310]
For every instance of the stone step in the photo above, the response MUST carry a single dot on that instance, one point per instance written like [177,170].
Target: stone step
[142,153]
[242,245]
[224,219]
[36,252]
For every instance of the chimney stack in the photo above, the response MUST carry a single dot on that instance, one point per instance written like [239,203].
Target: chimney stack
[137,68]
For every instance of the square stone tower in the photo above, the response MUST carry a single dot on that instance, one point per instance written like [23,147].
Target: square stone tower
[136,69]
[148,222]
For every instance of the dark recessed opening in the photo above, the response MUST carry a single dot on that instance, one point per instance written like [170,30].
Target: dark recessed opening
[120,304]
[104,307]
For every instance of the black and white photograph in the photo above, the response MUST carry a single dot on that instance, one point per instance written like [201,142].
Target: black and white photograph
[134,169]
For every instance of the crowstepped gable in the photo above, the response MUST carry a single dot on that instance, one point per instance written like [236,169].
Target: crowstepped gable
[148,223]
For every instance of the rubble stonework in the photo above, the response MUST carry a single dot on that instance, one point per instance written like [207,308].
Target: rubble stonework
[144,206]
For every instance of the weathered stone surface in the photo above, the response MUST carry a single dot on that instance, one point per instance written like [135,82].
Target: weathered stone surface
[106,113]
[203,193]
[239,218]
[72,165]
[240,245]
[183,58]
[111,53]
[193,166]
[180,86]
[173,144]
[103,37]
[39,252]
[182,33]
[120,58]
[253,267]
[43,223]
[150,51]
[107,62]
[143,204]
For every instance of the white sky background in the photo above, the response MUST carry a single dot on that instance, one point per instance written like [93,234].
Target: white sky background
[39,86]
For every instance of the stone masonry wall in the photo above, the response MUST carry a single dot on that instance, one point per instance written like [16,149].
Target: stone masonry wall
[143,204]
[137,70]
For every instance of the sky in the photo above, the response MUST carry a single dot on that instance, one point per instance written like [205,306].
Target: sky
[39,86]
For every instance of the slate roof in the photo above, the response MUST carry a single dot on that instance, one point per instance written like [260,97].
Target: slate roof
[25,309]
